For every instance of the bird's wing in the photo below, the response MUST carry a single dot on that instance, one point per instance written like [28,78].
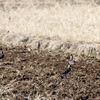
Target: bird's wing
[67,71]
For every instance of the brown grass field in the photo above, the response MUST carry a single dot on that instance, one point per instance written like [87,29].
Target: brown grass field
[76,22]
[26,75]
[52,24]
[37,37]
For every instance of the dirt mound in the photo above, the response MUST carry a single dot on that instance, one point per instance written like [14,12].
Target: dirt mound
[26,75]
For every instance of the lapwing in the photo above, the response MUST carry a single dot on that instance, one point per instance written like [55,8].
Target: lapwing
[2,55]
[70,63]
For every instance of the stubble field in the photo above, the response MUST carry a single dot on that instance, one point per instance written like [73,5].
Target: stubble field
[26,75]
[37,38]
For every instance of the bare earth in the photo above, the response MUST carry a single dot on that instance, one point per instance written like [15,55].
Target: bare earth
[26,75]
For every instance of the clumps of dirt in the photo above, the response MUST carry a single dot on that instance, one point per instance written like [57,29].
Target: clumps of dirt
[26,75]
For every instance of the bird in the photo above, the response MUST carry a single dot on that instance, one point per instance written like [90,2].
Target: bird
[2,55]
[70,63]
[67,71]
[38,47]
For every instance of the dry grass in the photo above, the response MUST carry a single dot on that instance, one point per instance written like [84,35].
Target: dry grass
[73,23]
[37,76]
[71,28]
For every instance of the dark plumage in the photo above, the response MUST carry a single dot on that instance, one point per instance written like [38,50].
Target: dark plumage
[66,71]
[2,55]
[70,63]
[38,45]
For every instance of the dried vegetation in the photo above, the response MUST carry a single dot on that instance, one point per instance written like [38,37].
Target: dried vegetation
[52,25]
[46,31]
[26,75]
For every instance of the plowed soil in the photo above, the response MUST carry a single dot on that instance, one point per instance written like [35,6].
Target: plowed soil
[26,75]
